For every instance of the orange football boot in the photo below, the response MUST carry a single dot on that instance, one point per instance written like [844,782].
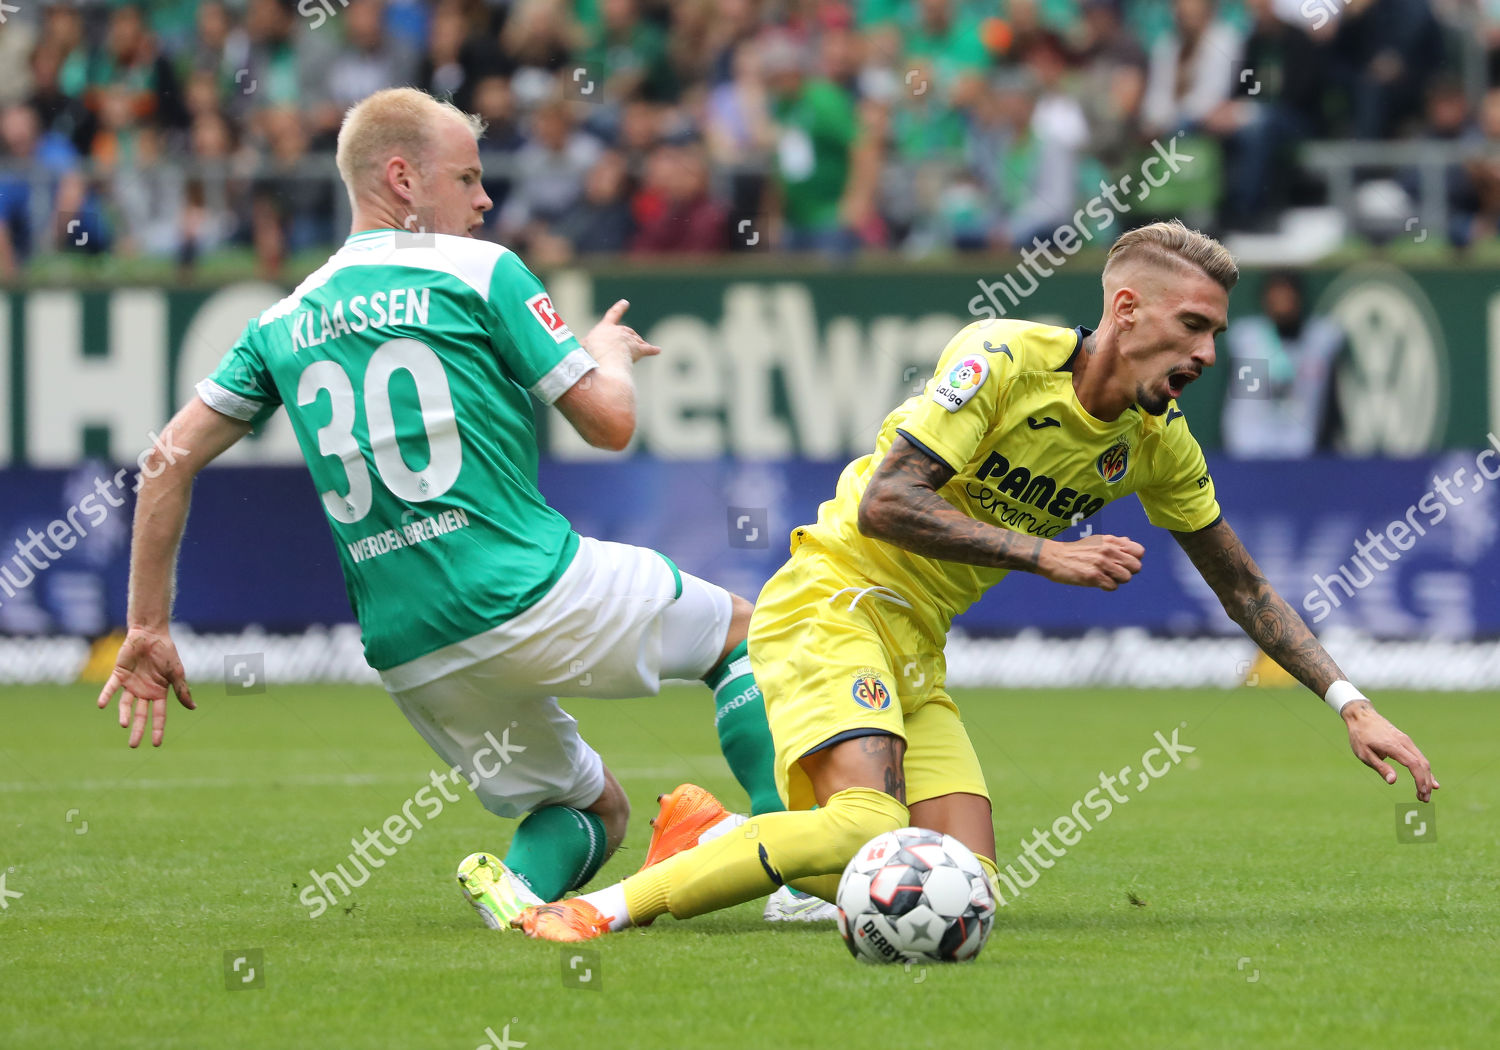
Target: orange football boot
[574,919]
[685,814]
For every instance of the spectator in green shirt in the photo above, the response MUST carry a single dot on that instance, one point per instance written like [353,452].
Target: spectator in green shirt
[273,62]
[815,129]
[631,54]
[947,41]
[944,61]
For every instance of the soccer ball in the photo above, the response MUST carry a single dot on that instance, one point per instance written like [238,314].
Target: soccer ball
[914,894]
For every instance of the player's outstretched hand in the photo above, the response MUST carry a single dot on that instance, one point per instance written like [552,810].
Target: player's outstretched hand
[609,336]
[147,666]
[1373,738]
[1094,561]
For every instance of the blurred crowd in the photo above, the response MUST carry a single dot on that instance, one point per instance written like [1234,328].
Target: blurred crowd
[174,129]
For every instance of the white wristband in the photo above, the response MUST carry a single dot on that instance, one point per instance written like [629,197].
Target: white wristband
[1341,694]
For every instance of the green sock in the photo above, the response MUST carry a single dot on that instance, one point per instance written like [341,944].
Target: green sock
[557,849]
[744,736]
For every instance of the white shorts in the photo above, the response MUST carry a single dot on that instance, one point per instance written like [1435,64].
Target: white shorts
[618,621]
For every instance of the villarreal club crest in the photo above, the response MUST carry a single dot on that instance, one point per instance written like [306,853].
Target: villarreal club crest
[870,692]
[1113,461]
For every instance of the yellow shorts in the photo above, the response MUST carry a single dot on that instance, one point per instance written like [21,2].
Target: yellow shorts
[830,659]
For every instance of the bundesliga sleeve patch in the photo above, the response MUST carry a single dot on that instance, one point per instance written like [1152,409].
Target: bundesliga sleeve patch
[961,382]
[542,309]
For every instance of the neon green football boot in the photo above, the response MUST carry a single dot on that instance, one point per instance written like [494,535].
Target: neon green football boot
[494,890]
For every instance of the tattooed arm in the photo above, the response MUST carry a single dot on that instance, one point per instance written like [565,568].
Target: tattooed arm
[1272,624]
[1251,602]
[902,507]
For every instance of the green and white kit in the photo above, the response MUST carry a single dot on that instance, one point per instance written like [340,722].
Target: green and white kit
[407,364]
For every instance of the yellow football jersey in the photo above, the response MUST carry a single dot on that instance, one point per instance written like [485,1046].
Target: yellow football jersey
[1001,411]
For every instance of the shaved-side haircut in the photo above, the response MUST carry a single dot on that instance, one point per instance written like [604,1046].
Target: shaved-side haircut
[1171,244]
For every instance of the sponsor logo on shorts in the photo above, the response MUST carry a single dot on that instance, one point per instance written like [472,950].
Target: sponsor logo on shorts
[870,692]
[1113,461]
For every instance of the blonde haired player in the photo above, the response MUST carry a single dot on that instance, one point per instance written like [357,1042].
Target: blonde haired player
[407,365]
[1024,430]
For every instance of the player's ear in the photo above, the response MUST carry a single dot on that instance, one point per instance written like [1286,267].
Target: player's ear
[399,177]
[1125,303]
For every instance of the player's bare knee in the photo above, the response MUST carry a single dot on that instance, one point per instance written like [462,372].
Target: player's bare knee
[739,623]
[874,761]
[613,808]
[616,822]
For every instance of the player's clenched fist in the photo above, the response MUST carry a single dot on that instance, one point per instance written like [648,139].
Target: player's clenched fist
[1095,561]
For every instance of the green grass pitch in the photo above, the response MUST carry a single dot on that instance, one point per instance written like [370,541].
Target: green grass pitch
[1254,896]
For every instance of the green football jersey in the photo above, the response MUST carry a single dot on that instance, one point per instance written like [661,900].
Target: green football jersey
[407,364]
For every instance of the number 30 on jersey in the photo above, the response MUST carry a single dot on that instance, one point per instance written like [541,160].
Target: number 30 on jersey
[336,439]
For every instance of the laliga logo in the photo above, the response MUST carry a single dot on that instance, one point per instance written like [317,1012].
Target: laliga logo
[965,374]
[870,693]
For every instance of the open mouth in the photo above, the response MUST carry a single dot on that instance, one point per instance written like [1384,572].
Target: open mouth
[1177,382]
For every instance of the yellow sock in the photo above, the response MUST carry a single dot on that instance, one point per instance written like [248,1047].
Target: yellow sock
[992,870]
[764,853]
[825,886]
